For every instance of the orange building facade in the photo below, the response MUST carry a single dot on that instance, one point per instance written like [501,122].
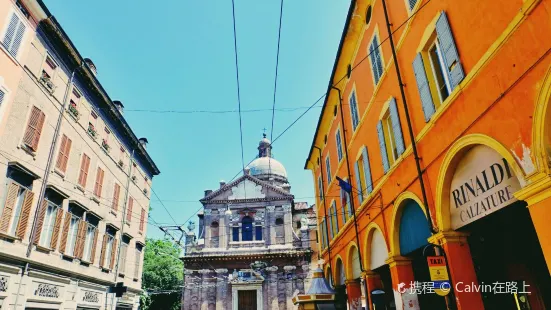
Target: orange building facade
[452,149]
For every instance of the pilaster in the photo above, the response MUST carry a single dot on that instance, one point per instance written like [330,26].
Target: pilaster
[221,288]
[288,222]
[270,225]
[401,272]
[223,232]
[289,285]
[272,288]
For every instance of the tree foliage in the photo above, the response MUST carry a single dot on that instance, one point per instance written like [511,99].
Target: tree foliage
[162,271]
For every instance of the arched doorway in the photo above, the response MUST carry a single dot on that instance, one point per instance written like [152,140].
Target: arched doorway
[478,183]
[354,273]
[414,230]
[341,298]
[379,279]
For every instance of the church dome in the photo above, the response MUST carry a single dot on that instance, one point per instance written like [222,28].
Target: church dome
[267,166]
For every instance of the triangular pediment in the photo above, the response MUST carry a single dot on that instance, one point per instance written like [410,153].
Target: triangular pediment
[245,188]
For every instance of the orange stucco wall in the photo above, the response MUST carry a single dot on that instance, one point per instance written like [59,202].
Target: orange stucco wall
[504,50]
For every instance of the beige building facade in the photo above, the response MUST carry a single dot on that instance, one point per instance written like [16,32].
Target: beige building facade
[96,190]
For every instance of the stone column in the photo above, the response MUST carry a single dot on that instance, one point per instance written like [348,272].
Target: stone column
[223,230]
[221,288]
[207,223]
[270,225]
[354,293]
[289,285]
[401,272]
[273,303]
[188,280]
[206,273]
[461,266]
[288,222]
[306,276]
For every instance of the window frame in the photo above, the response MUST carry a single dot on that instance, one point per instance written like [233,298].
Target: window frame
[48,226]
[354,113]
[375,35]
[433,72]
[390,139]
[23,19]
[88,241]
[321,194]
[338,144]
[328,169]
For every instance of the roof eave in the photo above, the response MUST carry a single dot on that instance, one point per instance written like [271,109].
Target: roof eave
[339,51]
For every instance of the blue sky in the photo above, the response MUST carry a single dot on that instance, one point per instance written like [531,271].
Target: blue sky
[178,55]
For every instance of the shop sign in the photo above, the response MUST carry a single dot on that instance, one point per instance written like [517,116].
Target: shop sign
[482,184]
[439,274]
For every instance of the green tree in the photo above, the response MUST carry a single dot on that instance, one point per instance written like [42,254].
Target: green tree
[162,271]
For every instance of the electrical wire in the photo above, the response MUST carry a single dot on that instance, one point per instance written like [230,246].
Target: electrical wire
[276,68]
[238,86]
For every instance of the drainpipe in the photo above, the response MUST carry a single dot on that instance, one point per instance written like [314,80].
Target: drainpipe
[325,211]
[433,228]
[351,196]
[23,273]
[123,223]
[50,158]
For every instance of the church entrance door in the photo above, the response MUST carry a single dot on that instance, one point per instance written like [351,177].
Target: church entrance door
[247,300]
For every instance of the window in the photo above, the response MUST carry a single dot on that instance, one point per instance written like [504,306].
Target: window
[142,221]
[63,156]
[49,221]
[109,247]
[376,59]
[328,169]
[17,205]
[129,210]
[34,129]
[70,231]
[137,261]
[323,233]
[362,171]
[280,231]
[99,182]
[339,144]
[258,233]
[116,194]
[91,238]
[411,4]
[2,94]
[247,229]
[438,68]
[334,223]
[391,141]
[346,208]
[123,255]
[84,166]
[320,188]
[14,35]
[355,115]
[235,233]
[48,69]
[74,102]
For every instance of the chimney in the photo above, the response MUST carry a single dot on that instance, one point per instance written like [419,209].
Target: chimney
[119,106]
[143,142]
[208,192]
[91,65]
[222,183]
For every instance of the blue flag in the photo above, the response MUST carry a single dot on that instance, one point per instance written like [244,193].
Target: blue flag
[345,185]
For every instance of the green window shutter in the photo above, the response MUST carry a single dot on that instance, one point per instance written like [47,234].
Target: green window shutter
[382,146]
[396,127]
[367,171]
[449,51]
[423,87]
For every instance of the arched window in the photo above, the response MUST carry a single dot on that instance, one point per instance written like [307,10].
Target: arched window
[214,234]
[247,229]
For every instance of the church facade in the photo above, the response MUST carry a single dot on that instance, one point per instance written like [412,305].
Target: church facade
[253,245]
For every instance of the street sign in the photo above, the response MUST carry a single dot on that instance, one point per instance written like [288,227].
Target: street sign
[439,275]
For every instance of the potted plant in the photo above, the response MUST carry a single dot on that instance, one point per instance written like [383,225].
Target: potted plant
[92,131]
[73,109]
[105,145]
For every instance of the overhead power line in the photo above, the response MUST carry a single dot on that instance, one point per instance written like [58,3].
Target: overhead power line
[237,79]
[276,68]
